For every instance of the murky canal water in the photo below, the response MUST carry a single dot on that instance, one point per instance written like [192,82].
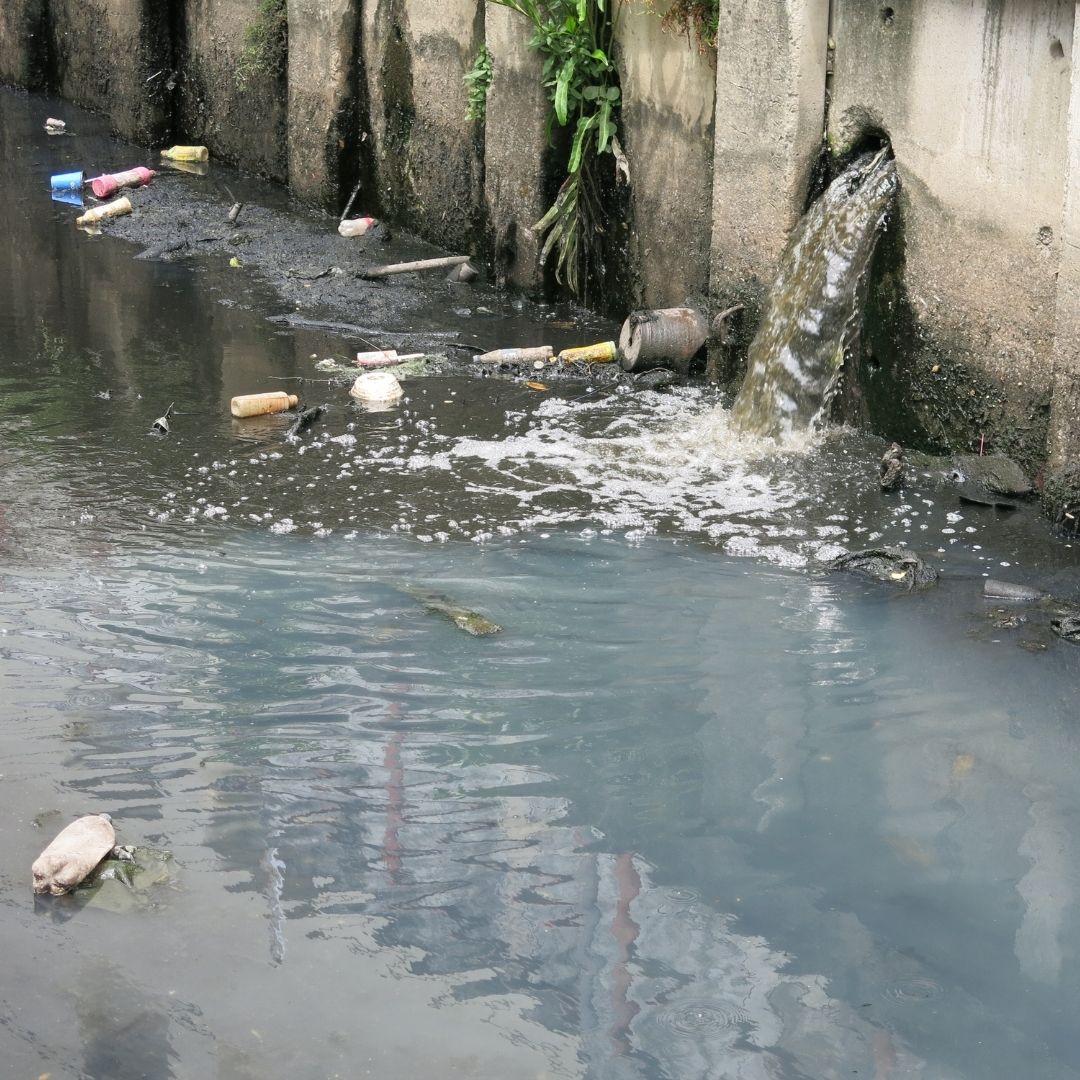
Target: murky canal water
[698,811]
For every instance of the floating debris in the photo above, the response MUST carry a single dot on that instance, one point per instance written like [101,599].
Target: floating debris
[106,186]
[186,153]
[161,424]
[1007,590]
[304,419]
[276,401]
[110,210]
[377,387]
[471,622]
[73,854]
[523,357]
[605,352]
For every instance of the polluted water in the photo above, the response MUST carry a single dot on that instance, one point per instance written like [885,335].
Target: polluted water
[680,804]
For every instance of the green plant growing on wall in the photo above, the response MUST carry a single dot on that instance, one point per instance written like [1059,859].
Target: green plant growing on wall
[478,81]
[266,43]
[700,18]
[574,37]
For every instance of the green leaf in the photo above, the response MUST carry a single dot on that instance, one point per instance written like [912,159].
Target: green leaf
[607,128]
[577,150]
[562,91]
[612,93]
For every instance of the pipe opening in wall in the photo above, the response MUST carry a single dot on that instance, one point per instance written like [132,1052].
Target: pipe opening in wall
[1057,50]
[888,16]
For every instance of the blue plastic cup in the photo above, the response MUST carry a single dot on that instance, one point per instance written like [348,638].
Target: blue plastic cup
[68,181]
[72,198]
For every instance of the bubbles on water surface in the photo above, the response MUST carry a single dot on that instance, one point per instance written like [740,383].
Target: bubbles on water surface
[595,461]
[913,991]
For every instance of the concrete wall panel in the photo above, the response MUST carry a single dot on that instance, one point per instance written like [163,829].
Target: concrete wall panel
[974,97]
[428,162]
[668,94]
[1065,414]
[243,121]
[105,51]
[322,77]
[514,146]
[770,104]
[23,43]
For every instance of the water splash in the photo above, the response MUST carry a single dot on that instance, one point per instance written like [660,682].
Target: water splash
[813,309]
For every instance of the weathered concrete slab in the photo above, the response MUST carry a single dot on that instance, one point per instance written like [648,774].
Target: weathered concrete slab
[514,147]
[322,117]
[104,52]
[427,158]
[974,98]
[668,93]
[1065,409]
[23,43]
[770,107]
[241,119]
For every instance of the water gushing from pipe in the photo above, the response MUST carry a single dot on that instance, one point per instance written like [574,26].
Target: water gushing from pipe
[813,309]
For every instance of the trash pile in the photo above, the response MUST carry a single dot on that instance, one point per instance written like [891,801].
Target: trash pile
[70,187]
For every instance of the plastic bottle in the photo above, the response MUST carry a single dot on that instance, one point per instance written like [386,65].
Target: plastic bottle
[262,404]
[517,356]
[111,183]
[356,226]
[109,210]
[603,353]
[186,153]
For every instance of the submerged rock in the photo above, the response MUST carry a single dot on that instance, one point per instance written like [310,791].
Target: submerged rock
[998,474]
[655,379]
[893,468]
[889,565]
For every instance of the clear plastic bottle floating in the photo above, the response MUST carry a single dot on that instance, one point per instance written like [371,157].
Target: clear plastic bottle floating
[109,184]
[109,210]
[186,153]
[376,388]
[262,404]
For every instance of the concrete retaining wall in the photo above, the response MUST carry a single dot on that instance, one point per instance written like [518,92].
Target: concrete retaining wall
[24,43]
[668,95]
[102,52]
[974,94]
[427,159]
[241,118]
[974,98]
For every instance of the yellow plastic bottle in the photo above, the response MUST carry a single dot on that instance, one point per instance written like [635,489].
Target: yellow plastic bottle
[262,404]
[99,213]
[603,353]
[186,153]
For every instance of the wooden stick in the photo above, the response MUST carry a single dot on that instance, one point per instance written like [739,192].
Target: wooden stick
[409,267]
[352,199]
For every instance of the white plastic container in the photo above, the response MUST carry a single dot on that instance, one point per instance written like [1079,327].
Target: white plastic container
[377,388]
